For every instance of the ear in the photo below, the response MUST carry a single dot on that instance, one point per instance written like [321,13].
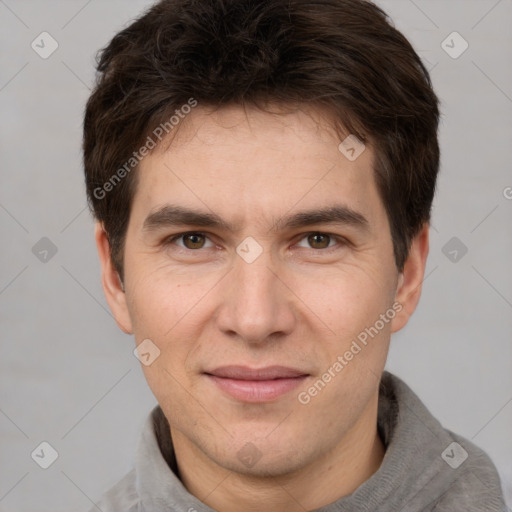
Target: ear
[111,282]
[411,278]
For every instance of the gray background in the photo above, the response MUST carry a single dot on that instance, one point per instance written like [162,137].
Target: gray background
[68,375]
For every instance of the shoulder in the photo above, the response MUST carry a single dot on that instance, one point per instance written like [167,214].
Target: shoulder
[122,496]
[447,471]
[476,486]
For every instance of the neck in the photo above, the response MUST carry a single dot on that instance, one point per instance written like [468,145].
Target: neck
[331,476]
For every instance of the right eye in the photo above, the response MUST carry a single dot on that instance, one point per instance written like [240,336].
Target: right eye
[191,240]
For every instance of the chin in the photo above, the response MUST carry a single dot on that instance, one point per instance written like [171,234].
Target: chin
[266,466]
[261,457]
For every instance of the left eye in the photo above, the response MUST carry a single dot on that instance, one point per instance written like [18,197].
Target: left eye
[318,241]
[192,241]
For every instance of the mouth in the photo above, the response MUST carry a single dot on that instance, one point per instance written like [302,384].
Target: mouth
[256,385]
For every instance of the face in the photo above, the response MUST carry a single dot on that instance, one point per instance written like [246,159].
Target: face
[259,261]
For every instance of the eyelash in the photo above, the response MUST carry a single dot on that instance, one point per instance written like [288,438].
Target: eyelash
[173,238]
[340,240]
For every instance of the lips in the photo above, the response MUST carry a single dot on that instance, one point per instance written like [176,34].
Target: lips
[255,385]
[245,373]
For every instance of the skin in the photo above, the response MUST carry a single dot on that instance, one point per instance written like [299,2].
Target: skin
[300,304]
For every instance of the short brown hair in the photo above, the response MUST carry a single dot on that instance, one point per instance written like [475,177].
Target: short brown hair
[341,55]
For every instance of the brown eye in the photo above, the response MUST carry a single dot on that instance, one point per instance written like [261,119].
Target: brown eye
[319,240]
[193,240]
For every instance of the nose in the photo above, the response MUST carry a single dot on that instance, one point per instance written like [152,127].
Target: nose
[256,305]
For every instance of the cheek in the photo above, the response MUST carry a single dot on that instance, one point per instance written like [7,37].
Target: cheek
[358,310]
[345,302]
[156,313]
[171,310]
[161,301]
[167,313]
[353,311]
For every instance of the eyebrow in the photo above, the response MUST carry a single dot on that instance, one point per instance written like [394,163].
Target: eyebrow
[179,216]
[170,215]
[331,215]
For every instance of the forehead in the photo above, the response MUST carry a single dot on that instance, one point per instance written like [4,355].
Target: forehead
[293,132]
[241,162]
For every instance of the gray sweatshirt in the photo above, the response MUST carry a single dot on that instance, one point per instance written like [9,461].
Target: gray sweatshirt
[426,468]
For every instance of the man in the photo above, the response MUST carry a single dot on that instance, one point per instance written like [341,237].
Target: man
[262,175]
